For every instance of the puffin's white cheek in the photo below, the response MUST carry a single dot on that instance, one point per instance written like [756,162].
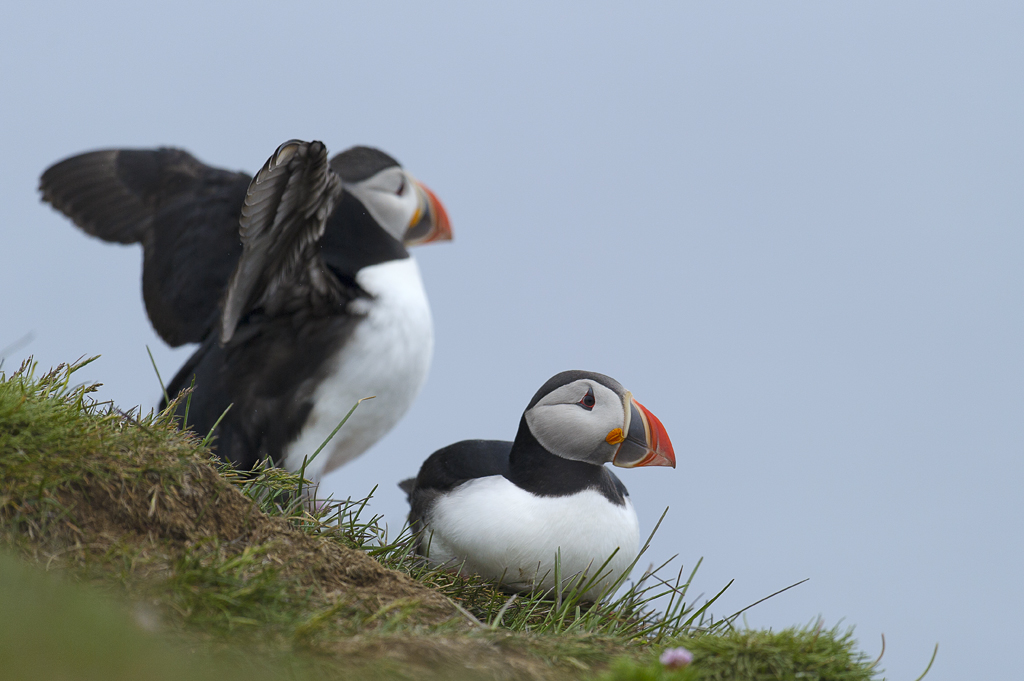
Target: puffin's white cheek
[568,431]
[390,211]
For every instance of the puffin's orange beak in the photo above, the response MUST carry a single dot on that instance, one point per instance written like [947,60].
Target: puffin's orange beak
[430,223]
[646,442]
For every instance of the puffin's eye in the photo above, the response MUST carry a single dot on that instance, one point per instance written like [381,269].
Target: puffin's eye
[401,187]
[588,400]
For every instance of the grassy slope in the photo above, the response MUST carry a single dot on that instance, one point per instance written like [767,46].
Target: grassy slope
[227,568]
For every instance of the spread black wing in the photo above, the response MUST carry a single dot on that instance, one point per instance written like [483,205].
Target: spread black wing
[260,362]
[183,212]
[447,468]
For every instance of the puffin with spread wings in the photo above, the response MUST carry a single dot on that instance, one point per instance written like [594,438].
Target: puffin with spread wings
[296,283]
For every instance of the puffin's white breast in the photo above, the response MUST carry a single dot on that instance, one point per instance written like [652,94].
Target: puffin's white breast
[387,355]
[502,532]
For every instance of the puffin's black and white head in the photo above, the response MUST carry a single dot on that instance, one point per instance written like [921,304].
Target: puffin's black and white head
[590,417]
[402,205]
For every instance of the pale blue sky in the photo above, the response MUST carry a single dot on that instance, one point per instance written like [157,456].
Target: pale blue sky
[793,230]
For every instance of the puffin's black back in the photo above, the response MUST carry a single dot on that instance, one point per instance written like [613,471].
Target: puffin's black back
[450,466]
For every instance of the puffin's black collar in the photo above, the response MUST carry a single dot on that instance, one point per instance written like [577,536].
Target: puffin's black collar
[540,472]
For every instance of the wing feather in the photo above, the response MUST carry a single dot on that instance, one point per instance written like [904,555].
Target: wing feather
[88,190]
[182,211]
[282,220]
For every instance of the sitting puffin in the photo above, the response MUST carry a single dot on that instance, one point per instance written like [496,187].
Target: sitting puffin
[296,283]
[503,510]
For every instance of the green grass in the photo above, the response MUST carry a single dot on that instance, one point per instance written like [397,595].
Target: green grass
[242,567]
[53,628]
[796,653]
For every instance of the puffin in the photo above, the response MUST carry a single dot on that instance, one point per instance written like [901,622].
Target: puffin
[504,510]
[295,282]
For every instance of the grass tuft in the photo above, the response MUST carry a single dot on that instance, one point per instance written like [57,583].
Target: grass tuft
[806,652]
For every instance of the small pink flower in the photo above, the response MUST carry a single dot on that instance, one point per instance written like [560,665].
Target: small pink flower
[676,658]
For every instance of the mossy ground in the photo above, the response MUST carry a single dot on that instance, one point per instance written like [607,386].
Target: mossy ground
[185,569]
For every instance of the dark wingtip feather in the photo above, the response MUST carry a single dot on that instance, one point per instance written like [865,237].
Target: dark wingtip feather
[86,188]
[284,215]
